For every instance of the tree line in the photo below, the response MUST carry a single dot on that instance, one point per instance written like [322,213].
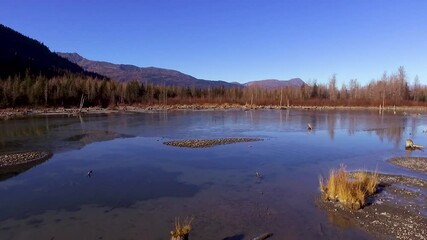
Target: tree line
[68,89]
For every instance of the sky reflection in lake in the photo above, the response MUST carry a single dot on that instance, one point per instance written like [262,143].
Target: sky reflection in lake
[140,185]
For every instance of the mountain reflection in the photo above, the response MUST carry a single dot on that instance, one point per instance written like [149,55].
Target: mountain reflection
[50,132]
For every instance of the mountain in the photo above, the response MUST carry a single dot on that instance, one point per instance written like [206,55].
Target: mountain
[152,75]
[274,83]
[20,54]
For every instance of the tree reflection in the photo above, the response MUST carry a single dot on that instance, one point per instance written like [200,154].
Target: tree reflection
[386,126]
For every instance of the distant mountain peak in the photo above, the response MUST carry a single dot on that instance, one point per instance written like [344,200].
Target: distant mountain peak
[152,75]
[75,56]
[275,83]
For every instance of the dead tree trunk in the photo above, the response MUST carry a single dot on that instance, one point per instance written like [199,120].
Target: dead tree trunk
[82,101]
[281,90]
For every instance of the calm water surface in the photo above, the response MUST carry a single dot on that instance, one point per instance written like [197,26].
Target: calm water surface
[139,185]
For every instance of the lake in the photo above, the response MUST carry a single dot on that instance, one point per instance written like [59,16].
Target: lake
[139,185]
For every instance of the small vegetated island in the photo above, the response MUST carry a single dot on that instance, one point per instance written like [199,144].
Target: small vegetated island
[390,206]
[204,143]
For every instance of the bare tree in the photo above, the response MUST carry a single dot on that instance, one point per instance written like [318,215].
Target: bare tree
[333,87]
[354,89]
[416,88]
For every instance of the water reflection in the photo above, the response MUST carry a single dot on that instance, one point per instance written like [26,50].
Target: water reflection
[51,131]
[331,125]
[214,183]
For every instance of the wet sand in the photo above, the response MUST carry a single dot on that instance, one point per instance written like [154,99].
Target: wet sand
[418,164]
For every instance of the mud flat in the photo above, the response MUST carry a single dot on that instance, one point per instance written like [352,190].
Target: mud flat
[14,163]
[418,164]
[204,143]
[397,211]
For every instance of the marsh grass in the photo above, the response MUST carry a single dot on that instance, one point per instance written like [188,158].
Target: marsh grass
[349,189]
[181,231]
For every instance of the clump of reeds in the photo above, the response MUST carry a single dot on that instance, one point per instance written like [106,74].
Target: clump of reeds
[181,231]
[349,189]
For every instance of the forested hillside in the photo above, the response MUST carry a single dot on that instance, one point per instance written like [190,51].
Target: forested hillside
[20,55]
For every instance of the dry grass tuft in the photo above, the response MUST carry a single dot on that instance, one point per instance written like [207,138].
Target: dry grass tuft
[181,232]
[350,190]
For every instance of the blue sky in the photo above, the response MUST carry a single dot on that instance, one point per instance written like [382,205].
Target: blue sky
[236,40]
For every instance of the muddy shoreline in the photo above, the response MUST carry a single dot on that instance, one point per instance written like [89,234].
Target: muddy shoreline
[10,113]
[397,211]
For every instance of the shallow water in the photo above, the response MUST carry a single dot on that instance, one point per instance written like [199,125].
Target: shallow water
[139,185]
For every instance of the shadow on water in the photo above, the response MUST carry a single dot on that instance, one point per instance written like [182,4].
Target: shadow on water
[235,237]
[58,133]
[112,188]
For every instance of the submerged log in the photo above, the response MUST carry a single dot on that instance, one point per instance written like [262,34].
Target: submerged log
[411,146]
[263,236]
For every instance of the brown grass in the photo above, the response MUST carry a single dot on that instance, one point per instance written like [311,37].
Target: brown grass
[349,189]
[181,231]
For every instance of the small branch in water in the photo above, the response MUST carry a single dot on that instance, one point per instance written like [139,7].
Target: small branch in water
[263,236]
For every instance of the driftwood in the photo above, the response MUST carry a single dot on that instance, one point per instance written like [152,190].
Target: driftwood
[411,146]
[263,236]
